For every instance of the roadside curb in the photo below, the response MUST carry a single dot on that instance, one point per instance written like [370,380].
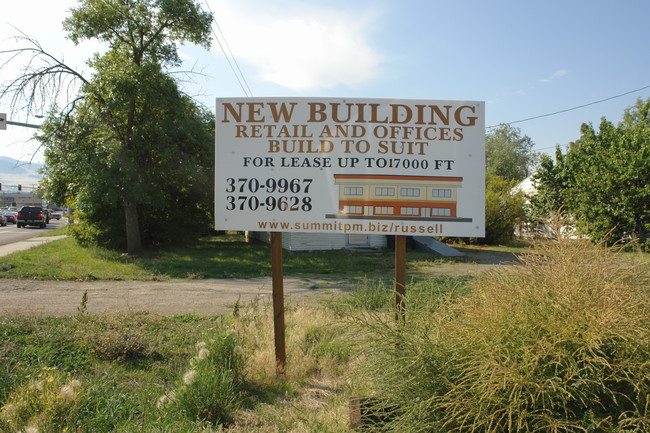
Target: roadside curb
[27,244]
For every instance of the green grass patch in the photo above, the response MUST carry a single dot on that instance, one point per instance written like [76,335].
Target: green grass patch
[63,259]
[227,256]
[117,372]
[126,372]
[56,232]
[559,343]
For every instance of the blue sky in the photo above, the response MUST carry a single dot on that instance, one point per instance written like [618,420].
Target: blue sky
[524,59]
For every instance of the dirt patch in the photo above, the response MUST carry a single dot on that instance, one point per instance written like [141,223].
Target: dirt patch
[202,297]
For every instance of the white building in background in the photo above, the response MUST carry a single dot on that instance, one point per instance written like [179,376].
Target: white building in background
[21,198]
[295,241]
[543,229]
[526,186]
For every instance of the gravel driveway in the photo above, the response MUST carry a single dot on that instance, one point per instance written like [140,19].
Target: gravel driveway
[201,297]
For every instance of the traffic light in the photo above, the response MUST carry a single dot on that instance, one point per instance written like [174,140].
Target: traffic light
[20,187]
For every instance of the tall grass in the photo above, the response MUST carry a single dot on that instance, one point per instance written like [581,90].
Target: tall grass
[312,394]
[208,390]
[560,343]
[127,372]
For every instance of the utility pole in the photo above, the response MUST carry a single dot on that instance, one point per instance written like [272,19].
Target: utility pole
[3,126]
[4,122]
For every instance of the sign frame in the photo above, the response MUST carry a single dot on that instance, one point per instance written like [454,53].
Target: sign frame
[350,165]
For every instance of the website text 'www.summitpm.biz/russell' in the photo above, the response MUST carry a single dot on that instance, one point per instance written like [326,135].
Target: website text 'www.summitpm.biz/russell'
[349,227]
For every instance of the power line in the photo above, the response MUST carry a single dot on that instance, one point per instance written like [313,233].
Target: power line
[239,76]
[550,147]
[569,109]
[233,57]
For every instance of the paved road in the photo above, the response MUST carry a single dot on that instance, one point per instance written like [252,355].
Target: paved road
[10,234]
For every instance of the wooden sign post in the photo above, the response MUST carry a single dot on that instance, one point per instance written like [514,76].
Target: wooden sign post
[278,302]
[400,276]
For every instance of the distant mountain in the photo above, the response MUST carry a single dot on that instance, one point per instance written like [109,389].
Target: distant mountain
[14,173]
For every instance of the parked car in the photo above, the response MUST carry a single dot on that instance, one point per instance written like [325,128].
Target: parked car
[10,216]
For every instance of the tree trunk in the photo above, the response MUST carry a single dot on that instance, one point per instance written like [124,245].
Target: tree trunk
[133,239]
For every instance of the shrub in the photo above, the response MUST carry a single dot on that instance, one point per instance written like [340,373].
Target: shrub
[208,390]
[118,336]
[367,295]
[559,343]
[322,342]
[377,296]
[49,402]
[504,208]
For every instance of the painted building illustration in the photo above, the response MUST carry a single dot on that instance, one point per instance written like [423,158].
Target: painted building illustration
[363,196]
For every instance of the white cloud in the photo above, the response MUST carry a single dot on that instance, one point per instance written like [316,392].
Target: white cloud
[557,74]
[302,49]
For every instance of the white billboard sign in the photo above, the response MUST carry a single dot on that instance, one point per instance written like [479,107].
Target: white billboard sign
[345,165]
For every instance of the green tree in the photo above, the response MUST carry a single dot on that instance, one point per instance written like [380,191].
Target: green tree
[130,140]
[504,208]
[508,154]
[603,180]
[509,158]
[608,189]
[174,178]
[550,181]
